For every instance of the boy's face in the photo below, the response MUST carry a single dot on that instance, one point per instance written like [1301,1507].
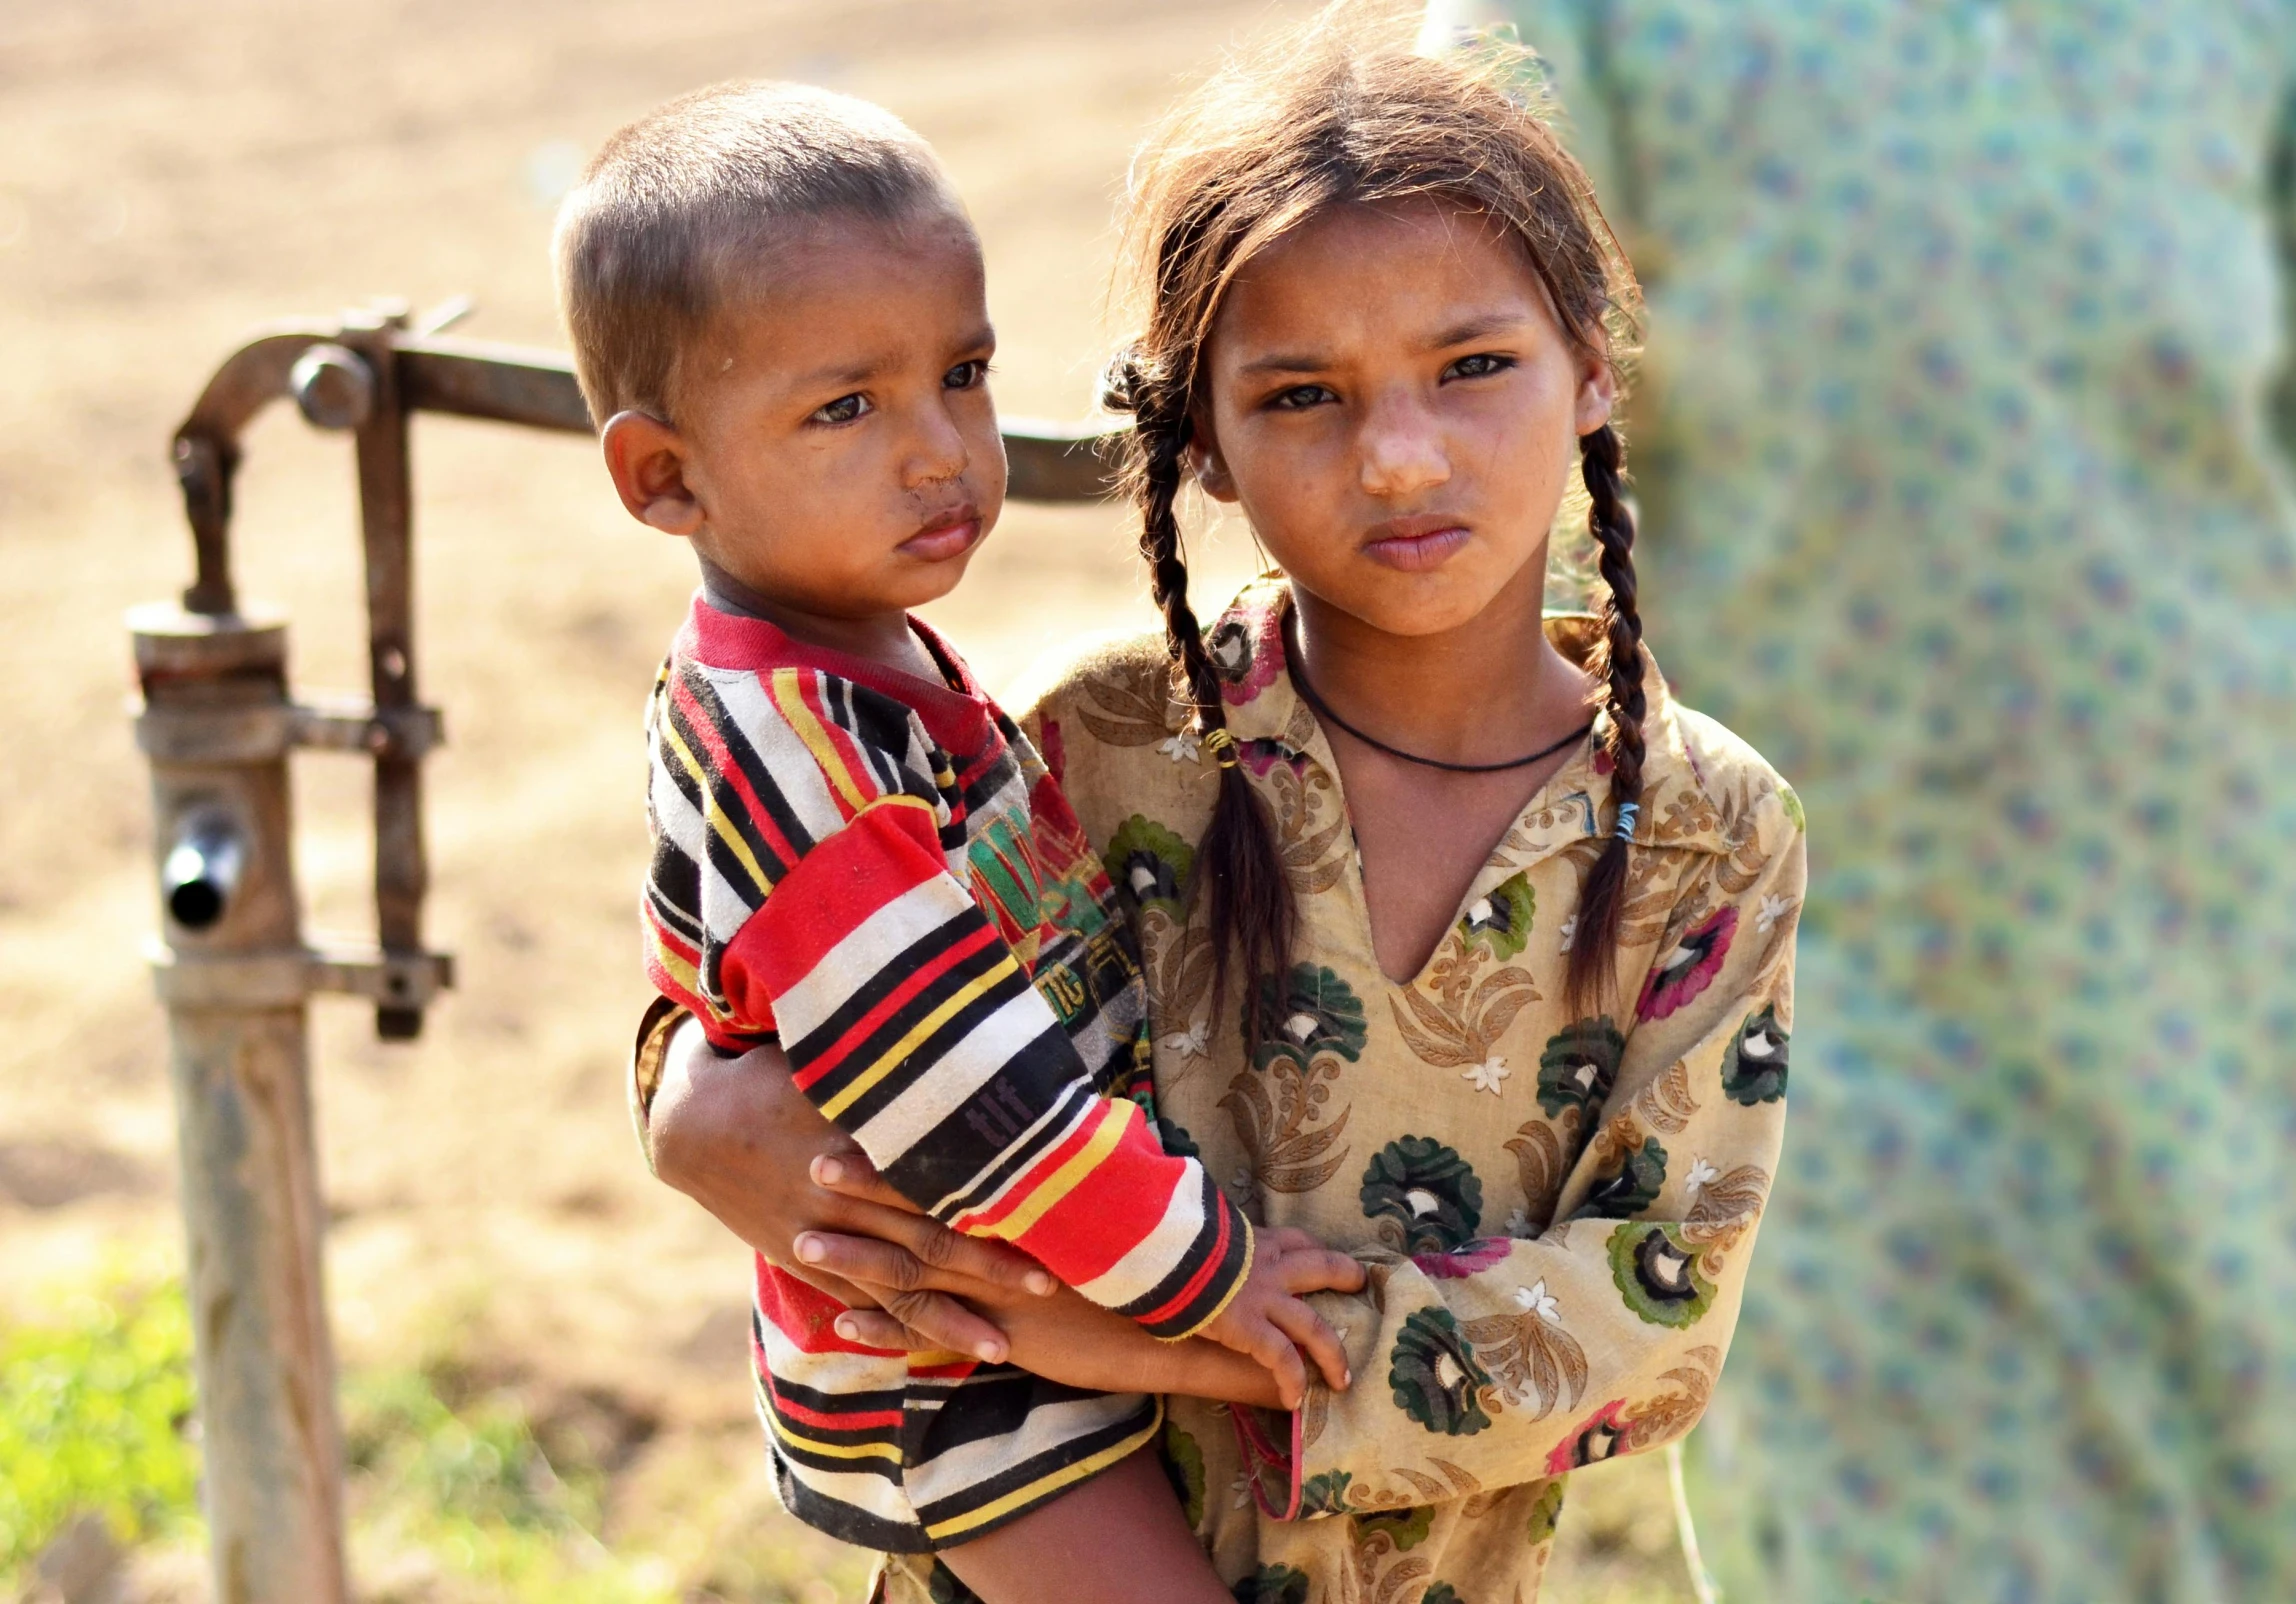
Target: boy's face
[836,453]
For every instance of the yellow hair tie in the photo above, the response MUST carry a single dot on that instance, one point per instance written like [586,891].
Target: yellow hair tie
[1222,746]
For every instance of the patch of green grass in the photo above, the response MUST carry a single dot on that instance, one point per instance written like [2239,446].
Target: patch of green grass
[92,1413]
[469,1486]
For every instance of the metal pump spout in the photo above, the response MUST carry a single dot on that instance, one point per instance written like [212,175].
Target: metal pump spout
[201,872]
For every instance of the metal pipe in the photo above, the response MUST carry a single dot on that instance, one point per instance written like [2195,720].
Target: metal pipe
[386,526]
[233,973]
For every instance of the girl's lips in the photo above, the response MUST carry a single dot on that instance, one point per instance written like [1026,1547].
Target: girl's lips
[943,541]
[1415,550]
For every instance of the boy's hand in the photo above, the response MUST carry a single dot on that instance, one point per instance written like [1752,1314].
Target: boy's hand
[1267,1320]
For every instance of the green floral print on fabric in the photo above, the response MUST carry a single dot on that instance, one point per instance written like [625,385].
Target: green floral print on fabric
[1755,1071]
[1578,1066]
[1441,1593]
[1546,1514]
[1326,1494]
[1406,1529]
[1499,925]
[1273,1584]
[1184,1467]
[1424,1194]
[1658,1275]
[1793,805]
[1312,1013]
[1435,1377]
[1632,1188]
[1149,865]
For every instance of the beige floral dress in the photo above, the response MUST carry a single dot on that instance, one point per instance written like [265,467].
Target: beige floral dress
[1556,1210]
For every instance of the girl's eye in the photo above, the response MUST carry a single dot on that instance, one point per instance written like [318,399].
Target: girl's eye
[1300,397]
[1479,366]
[965,376]
[843,410]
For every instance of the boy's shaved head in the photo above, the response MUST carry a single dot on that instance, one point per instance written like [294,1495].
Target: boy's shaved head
[678,203]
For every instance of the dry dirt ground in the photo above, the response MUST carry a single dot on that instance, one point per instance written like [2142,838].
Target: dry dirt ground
[175,173]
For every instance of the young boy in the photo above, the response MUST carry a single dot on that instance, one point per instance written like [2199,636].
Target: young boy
[778,313]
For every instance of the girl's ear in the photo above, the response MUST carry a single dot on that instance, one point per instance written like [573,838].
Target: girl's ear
[647,459]
[1597,395]
[1209,466]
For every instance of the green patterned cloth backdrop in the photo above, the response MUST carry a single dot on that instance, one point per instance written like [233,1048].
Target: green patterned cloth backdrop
[1963,506]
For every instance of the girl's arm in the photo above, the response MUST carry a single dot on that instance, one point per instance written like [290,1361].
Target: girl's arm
[738,1138]
[1063,1338]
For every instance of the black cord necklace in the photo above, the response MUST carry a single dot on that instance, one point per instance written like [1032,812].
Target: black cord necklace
[1323,711]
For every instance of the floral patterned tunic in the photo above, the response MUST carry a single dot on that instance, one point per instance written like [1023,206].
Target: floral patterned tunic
[1557,1211]
[1964,505]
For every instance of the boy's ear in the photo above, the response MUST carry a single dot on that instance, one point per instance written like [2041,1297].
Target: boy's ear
[647,459]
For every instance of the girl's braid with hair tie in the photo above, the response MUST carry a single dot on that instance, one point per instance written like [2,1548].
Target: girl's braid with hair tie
[1239,870]
[1121,383]
[1618,659]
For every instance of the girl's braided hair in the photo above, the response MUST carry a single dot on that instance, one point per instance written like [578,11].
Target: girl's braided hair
[1334,117]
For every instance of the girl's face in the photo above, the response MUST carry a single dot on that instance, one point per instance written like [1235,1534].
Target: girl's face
[1392,402]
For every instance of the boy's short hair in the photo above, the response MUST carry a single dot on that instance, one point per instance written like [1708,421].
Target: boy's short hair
[648,242]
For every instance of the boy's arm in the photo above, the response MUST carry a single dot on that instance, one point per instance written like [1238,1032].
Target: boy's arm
[911,1025]
[904,1015]
[1118,1539]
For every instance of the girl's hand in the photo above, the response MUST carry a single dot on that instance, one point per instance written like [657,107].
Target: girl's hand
[736,1136]
[1067,1338]
[1266,1319]
[1070,1339]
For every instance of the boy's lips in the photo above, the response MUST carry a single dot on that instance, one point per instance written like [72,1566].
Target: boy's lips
[950,536]
[1416,543]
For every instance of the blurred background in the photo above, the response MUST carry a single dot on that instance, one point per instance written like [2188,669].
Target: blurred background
[542,1350]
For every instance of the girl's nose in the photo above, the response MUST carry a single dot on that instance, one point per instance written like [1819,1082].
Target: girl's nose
[1401,450]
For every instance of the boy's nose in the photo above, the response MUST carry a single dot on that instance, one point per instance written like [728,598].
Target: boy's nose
[939,451]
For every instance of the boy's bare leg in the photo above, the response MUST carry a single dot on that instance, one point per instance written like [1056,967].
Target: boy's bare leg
[1118,1539]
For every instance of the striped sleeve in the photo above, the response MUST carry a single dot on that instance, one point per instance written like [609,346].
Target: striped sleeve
[829,916]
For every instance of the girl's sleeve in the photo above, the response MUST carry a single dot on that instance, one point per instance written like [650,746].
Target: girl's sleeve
[811,826]
[1515,1360]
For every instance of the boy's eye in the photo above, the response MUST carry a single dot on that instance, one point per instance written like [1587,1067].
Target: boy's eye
[965,375]
[843,410]
[1479,366]
[1301,396]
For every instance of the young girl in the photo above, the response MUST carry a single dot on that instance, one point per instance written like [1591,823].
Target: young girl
[1469,952]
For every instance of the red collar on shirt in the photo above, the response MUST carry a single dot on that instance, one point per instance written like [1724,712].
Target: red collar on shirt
[958,716]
